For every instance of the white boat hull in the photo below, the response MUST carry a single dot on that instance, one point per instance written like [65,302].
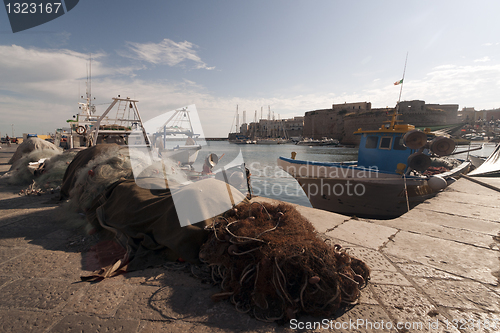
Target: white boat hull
[185,155]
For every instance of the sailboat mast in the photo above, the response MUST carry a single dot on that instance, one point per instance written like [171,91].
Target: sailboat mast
[237,120]
[90,79]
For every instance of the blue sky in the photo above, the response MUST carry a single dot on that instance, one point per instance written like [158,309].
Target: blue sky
[293,56]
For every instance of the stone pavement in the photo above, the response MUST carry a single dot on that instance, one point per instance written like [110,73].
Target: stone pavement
[434,269]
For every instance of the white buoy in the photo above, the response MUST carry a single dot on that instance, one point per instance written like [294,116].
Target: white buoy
[437,183]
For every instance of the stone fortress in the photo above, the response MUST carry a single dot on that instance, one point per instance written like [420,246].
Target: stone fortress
[342,120]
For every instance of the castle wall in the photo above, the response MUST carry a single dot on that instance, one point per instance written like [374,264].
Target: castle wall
[367,121]
[342,120]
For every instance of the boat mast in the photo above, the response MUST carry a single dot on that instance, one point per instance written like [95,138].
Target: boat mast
[394,118]
[402,80]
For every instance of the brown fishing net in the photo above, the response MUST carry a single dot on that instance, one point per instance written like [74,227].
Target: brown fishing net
[271,264]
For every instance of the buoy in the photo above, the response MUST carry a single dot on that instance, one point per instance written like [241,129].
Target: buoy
[442,146]
[419,161]
[400,168]
[415,139]
[237,179]
[81,130]
[437,182]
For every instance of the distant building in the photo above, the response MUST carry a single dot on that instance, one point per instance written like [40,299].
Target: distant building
[284,128]
[419,113]
[470,115]
[487,115]
[466,115]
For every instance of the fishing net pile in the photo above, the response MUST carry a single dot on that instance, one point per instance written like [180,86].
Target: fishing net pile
[43,169]
[96,168]
[271,264]
[93,177]
[21,173]
[32,144]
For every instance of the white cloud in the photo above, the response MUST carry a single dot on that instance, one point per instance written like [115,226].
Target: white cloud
[166,52]
[483,59]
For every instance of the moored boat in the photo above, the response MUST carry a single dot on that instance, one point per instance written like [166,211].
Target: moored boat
[388,178]
[322,142]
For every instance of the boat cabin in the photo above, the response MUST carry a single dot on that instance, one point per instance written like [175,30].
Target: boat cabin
[384,148]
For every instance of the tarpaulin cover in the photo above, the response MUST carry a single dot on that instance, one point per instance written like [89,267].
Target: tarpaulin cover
[490,166]
[145,222]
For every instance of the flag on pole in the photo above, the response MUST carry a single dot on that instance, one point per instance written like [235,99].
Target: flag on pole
[398,82]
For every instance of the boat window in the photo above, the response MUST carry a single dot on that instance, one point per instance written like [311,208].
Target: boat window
[399,143]
[385,142]
[371,142]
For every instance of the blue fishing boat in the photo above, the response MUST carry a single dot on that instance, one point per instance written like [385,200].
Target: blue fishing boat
[390,177]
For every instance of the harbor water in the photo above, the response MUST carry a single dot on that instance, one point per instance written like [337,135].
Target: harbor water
[268,180]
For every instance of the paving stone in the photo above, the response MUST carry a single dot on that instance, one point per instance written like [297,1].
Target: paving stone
[434,228]
[37,293]
[461,294]
[474,320]
[374,259]
[5,279]
[458,222]
[332,241]
[388,277]
[14,320]
[462,209]
[426,271]
[322,220]
[19,203]
[78,323]
[487,198]
[472,189]
[182,326]
[397,260]
[363,233]
[183,304]
[400,297]
[361,318]
[460,259]
[420,319]
[8,253]
[137,305]
[154,276]
[101,298]
[35,225]
[45,263]
[367,296]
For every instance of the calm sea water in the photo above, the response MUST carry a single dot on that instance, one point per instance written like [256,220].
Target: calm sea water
[270,181]
[267,179]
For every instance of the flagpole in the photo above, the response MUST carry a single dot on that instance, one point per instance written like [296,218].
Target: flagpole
[402,80]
